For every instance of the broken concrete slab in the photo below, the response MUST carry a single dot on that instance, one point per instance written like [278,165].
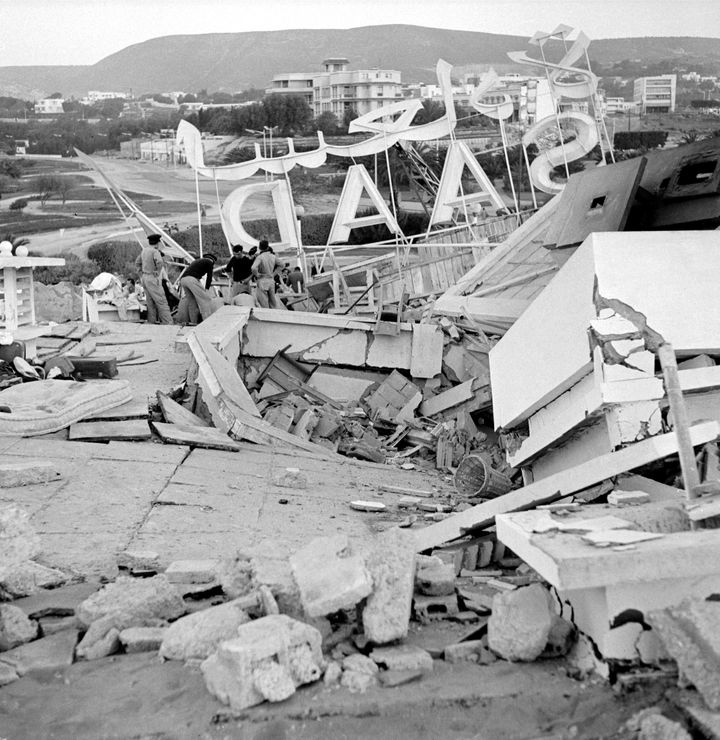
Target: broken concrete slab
[29,576]
[27,473]
[198,635]
[520,623]
[136,599]
[42,657]
[329,577]
[268,656]
[689,633]
[435,578]
[195,436]
[191,571]
[18,540]
[403,658]
[15,628]
[142,639]
[391,564]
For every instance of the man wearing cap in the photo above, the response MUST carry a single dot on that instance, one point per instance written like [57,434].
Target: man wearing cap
[264,267]
[196,302]
[151,266]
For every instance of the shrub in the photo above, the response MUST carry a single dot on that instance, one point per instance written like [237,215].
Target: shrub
[639,139]
[18,205]
[75,270]
[117,257]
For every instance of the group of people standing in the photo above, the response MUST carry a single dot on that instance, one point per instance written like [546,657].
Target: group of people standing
[196,301]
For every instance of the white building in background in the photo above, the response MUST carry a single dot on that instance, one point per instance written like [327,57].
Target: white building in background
[49,106]
[655,94]
[163,150]
[619,106]
[337,89]
[95,96]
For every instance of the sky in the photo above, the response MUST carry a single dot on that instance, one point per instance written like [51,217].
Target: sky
[85,31]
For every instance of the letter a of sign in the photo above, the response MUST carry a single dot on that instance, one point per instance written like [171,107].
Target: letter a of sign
[358,180]
[449,195]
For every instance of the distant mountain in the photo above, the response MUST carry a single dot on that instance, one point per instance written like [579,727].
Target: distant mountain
[235,61]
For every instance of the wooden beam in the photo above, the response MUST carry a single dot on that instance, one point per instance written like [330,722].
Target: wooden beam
[560,484]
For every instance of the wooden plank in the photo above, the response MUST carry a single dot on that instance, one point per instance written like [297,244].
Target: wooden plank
[195,436]
[174,413]
[135,409]
[133,429]
[560,484]
[100,342]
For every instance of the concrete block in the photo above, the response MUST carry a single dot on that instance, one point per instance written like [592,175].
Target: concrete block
[142,639]
[438,580]
[51,625]
[520,623]
[15,628]
[242,672]
[198,635]
[191,571]
[403,658]
[18,540]
[689,633]
[628,498]
[28,577]
[42,657]
[391,564]
[27,473]
[431,608]
[134,560]
[139,600]
[329,577]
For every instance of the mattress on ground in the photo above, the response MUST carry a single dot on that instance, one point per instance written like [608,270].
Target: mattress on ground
[45,406]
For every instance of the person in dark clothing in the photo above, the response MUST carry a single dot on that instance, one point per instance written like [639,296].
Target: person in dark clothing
[239,270]
[296,280]
[196,300]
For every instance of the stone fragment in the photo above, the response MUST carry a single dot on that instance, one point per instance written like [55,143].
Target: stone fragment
[430,608]
[138,560]
[58,602]
[360,664]
[627,498]
[657,727]
[235,575]
[391,564]
[390,679]
[689,632]
[18,540]
[142,639]
[191,571]
[270,567]
[44,656]
[357,682]
[561,638]
[198,635]
[138,599]
[29,577]
[291,478]
[15,628]
[269,604]
[240,673]
[27,473]
[107,644]
[328,576]
[520,623]
[469,651]
[333,672]
[7,674]
[403,658]
[437,580]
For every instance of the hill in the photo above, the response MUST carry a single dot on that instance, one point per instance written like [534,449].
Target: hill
[235,61]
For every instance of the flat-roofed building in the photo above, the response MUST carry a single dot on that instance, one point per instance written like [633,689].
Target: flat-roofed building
[655,94]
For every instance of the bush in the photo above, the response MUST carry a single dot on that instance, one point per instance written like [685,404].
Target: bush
[75,270]
[639,139]
[116,257]
[18,205]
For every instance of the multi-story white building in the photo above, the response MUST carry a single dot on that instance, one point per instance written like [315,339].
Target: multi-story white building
[655,94]
[337,89]
[619,106]
[49,106]
[95,96]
